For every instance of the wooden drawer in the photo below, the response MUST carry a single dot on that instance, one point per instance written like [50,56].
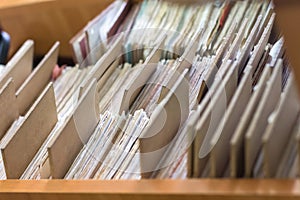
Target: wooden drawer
[287,14]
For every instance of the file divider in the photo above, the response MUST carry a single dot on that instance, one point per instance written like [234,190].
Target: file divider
[210,119]
[221,140]
[258,124]
[8,100]
[75,133]
[20,66]
[37,80]
[282,120]
[113,54]
[19,148]
[164,123]
[195,147]
[147,69]
[237,161]
[107,74]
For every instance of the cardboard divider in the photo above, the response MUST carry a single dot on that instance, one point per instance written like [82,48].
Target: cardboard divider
[107,74]
[280,128]
[114,52]
[19,147]
[8,100]
[75,133]
[37,81]
[141,79]
[163,126]
[259,122]
[195,147]
[20,66]
[220,153]
[237,140]
[211,117]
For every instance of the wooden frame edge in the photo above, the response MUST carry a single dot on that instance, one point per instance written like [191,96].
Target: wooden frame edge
[151,189]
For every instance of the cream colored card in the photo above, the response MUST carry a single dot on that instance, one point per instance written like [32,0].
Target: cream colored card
[280,121]
[210,119]
[259,122]
[290,158]
[237,140]
[162,128]
[221,140]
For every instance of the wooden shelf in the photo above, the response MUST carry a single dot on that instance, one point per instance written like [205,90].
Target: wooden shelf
[151,189]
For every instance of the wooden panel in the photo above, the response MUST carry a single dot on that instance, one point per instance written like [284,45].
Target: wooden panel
[47,21]
[151,189]
[15,3]
[288,17]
